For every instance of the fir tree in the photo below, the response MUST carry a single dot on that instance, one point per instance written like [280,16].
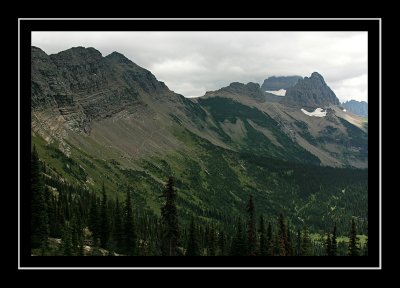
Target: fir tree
[170,220]
[130,233]
[290,250]
[104,221]
[328,245]
[221,243]
[118,230]
[353,244]
[334,242]
[39,217]
[251,228]
[211,242]
[298,243]
[366,246]
[238,247]
[284,245]
[94,224]
[263,248]
[66,241]
[192,245]
[305,243]
[270,241]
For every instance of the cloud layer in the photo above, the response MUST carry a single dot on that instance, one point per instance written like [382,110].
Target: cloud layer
[191,63]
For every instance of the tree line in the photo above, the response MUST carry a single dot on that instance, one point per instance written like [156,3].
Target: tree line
[91,225]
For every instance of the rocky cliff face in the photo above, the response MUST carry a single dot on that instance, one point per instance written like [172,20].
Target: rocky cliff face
[251,90]
[311,92]
[82,85]
[274,83]
[357,107]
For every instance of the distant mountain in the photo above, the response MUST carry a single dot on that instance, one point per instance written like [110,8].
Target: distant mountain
[275,83]
[311,92]
[251,90]
[357,107]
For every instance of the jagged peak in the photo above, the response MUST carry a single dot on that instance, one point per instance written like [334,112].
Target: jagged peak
[118,57]
[80,51]
[37,52]
[316,75]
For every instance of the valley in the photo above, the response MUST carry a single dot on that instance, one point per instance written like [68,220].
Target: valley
[103,128]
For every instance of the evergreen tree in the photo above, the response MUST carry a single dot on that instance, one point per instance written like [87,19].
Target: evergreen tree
[328,245]
[118,230]
[251,228]
[211,247]
[334,242]
[39,217]
[238,247]
[221,243]
[170,220]
[270,241]
[305,243]
[284,245]
[353,244]
[263,248]
[94,224]
[192,245]
[104,221]
[66,241]
[290,249]
[366,246]
[130,233]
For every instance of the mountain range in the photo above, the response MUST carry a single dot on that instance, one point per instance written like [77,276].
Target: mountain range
[359,108]
[98,118]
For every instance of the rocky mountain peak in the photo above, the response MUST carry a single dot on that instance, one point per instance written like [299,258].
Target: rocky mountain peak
[118,57]
[311,92]
[77,56]
[317,76]
[275,83]
[250,89]
[83,86]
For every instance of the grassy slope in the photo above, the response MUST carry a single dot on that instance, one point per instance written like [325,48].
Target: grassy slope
[214,183]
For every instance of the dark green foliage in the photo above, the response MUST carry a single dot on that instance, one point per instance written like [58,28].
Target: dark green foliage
[71,209]
[94,224]
[170,220]
[211,242]
[104,220]
[118,233]
[263,247]
[284,243]
[251,228]
[270,241]
[238,247]
[39,216]
[353,244]
[192,245]
[328,245]
[305,243]
[298,243]
[66,241]
[334,242]
[130,233]
[221,243]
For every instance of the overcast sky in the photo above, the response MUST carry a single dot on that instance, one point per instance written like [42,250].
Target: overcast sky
[191,63]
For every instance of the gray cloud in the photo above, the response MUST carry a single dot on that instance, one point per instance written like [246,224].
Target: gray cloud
[191,63]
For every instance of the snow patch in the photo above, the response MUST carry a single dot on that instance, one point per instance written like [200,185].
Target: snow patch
[280,92]
[317,112]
